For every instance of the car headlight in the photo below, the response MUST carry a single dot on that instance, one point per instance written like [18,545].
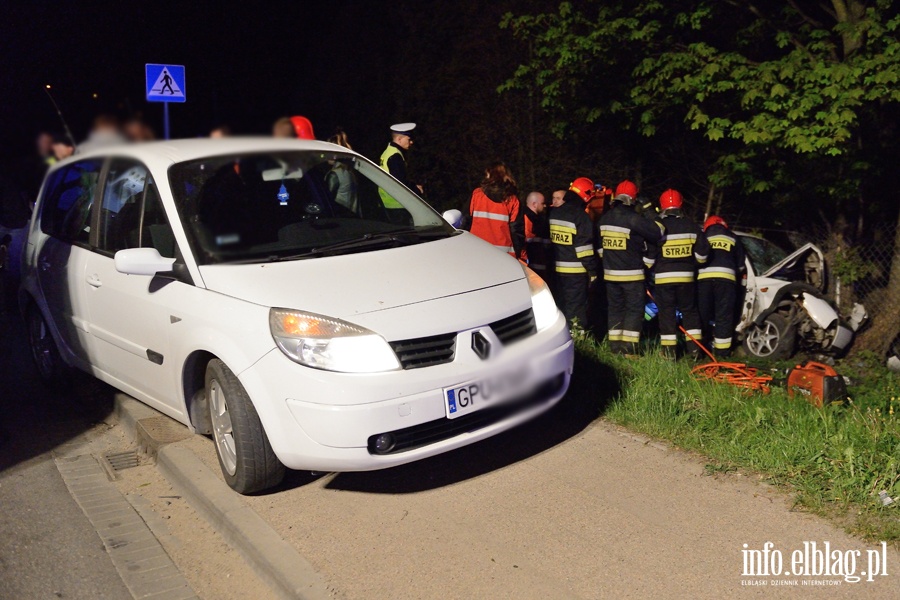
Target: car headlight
[542,302]
[326,343]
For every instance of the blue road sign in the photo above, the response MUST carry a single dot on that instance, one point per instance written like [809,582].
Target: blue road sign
[165,83]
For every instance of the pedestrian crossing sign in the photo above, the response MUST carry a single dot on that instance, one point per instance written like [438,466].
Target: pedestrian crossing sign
[165,83]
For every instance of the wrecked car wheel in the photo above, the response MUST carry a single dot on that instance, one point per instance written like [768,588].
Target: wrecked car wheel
[773,339]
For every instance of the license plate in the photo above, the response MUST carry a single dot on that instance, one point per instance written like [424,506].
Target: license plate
[469,397]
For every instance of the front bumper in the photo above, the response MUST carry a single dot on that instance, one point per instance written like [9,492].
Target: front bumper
[323,421]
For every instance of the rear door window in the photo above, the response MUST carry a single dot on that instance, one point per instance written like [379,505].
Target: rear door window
[66,210]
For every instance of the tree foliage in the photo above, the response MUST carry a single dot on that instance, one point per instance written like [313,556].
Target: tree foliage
[759,78]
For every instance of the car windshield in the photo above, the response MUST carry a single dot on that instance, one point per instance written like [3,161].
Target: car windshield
[763,254]
[290,205]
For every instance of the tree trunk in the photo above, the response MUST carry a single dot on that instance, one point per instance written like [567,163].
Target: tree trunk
[710,195]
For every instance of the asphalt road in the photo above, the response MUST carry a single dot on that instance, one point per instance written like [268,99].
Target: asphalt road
[48,548]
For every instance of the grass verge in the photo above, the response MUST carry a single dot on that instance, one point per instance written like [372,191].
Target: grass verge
[836,459]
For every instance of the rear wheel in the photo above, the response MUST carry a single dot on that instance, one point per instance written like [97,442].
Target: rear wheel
[774,339]
[46,355]
[245,455]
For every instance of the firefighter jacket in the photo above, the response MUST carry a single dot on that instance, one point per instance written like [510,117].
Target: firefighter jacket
[492,221]
[572,236]
[624,236]
[538,251]
[394,162]
[682,248]
[726,256]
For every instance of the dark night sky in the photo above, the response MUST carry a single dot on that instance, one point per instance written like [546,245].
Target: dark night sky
[246,65]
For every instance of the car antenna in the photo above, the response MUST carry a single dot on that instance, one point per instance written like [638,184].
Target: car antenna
[61,118]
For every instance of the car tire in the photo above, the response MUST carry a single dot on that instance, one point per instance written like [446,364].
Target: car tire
[245,454]
[774,339]
[47,360]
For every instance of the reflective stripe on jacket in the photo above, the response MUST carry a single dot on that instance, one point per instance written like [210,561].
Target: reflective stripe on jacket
[571,234]
[726,255]
[623,236]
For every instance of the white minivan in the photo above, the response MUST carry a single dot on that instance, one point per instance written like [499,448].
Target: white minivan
[256,290]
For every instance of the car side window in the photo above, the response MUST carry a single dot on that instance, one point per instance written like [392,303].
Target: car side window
[132,215]
[66,209]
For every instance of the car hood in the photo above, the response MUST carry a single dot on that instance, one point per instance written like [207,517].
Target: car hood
[808,259]
[365,282]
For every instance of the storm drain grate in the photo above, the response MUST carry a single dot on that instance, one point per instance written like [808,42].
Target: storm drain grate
[119,461]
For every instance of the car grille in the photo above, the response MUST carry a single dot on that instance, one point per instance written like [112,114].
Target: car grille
[426,351]
[514,328]
[431,432]
[440,349]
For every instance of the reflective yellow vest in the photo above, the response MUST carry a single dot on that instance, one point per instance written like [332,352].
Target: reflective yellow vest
[387,199]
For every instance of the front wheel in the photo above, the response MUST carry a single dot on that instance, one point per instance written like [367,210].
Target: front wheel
[245,455]
[774,339]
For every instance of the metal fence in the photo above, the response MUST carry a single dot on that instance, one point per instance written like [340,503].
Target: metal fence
[860,273]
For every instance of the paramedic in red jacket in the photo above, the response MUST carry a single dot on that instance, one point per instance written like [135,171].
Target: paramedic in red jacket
[494,208]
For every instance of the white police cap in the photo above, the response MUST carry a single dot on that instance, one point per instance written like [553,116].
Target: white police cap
[403,128]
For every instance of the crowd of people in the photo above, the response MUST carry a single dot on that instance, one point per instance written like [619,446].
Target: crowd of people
[612,259]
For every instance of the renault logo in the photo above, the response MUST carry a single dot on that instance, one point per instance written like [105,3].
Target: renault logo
[481,345]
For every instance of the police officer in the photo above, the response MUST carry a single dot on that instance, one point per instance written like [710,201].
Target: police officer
[681,249]
[393,160]
[573,244]
[624,236]
[717,284]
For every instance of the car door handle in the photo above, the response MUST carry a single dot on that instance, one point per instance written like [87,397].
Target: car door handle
[94,280]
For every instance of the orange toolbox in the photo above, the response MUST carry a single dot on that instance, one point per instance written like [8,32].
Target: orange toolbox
[817,383]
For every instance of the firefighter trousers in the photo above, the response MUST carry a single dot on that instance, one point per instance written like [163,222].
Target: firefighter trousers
[672,297]
[716,301]
[625,315]
[573,296]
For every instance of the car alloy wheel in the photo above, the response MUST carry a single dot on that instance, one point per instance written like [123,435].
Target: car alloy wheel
[223,432]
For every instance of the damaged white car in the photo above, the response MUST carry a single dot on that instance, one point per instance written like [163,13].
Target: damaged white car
[785,307]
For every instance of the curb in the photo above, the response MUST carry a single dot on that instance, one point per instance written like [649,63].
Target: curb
[275,561]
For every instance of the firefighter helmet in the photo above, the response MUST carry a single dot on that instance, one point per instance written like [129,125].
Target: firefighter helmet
[582,186]
[670,199]
[626,192]
[714,220]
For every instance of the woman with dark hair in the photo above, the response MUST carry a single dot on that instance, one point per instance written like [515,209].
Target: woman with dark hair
[340,182]
[495,207]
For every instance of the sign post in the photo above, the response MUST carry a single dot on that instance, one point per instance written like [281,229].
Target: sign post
[165,83]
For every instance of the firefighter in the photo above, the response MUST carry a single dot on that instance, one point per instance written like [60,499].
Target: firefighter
[624,236]
[537,251]
[717,284]
[681,249]
[573,245]
[494,209]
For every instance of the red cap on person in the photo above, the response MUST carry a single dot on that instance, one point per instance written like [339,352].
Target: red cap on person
[582,186]
[303,128]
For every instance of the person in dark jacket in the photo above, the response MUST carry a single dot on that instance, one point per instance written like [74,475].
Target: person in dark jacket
[538,251]
[572,236]
[393,160]
[624,236]
[717,285]
[681,249]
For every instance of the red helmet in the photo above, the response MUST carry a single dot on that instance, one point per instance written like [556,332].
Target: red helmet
[628,188]
[714,220]
[670,199]
[582,186]
[303,128]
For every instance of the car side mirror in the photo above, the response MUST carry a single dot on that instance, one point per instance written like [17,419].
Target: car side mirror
[453,216]
[142,261]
